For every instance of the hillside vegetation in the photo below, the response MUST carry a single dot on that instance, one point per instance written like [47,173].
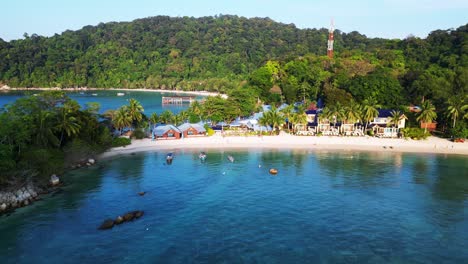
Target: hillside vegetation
[278,62]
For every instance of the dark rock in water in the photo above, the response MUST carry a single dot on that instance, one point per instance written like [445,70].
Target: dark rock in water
[138,214]
[107,224]
[141,193]
[128,216]
[119,220]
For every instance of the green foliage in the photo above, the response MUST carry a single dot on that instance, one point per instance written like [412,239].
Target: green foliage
[40,134]
[224,53]
[459,131]
[210,132]
[139,134]
[121,142]
[415,133]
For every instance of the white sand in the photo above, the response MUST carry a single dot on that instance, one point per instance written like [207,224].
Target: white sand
[431,145]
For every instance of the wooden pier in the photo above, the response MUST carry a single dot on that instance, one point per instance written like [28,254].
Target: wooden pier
[177,99]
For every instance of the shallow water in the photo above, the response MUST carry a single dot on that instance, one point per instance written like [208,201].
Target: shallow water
[322,207]
[151,101]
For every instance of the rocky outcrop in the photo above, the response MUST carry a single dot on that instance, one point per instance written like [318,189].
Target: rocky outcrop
[54,180]
[107,224]
[130,216]
[21,197]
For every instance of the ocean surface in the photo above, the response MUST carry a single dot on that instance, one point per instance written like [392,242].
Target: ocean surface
[151,101]
[321,207]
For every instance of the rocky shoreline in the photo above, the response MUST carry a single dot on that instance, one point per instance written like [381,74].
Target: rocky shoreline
[10,200]
[30,192]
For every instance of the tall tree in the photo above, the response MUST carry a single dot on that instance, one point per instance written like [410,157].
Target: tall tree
[369,110]
[455,108]
[135,110]
[122,119]
[427,113]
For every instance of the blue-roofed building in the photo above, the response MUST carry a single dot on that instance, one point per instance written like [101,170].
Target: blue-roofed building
[192,130]
[383,119]
[166,132]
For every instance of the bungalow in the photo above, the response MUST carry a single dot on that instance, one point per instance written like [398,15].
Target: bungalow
[384,117]
[192,130]
[166,132]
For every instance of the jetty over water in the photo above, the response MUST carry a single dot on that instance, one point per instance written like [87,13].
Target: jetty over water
[178,99]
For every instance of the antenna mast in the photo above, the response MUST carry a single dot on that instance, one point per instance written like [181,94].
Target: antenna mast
[330,40]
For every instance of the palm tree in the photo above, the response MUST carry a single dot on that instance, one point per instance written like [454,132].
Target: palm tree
[288,112]
[184,116]
[455,108]
[122,119]
[353,112]
[264,120]
[67,123]
[276,118]
[427,114]
[196,109]
[299,118]
[154,118]
[369,110]
[177,119]
[395,118]
[135,111]
[166,116]
[336,112]
[44,132]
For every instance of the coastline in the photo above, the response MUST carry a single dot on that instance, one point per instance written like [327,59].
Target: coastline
[432,145]
[201,93]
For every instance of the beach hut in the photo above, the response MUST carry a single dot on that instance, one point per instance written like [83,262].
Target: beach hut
[166,132]
[192,130]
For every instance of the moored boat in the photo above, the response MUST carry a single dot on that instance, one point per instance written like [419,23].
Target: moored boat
[230,158]
[120,94]
[202,156]
[169,158]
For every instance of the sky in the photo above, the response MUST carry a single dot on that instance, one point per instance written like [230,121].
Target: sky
[374,18]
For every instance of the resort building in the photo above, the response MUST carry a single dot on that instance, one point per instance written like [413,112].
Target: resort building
[384,117]
[192,130]
[166,132]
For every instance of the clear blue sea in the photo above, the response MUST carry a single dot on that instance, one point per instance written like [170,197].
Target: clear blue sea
[151,101]
[321,207]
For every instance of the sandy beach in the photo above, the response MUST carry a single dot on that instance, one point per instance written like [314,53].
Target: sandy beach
[430,145]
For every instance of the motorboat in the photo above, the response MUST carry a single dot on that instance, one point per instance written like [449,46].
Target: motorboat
[120,94]
[202,156]
[230,158]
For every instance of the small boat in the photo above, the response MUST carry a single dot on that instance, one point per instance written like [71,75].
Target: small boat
[230,158]
[120,94]
[169,158]
[94,94]
[202,156]
[273,171]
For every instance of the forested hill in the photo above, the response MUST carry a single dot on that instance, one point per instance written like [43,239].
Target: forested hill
[279,61]
[145,52]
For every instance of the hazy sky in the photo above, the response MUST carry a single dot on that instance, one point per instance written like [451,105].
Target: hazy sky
[374,18]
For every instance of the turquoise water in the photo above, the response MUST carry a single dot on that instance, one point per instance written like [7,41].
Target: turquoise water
[151,101]
[322,207]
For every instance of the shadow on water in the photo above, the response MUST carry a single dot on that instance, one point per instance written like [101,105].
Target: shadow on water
[451,178]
